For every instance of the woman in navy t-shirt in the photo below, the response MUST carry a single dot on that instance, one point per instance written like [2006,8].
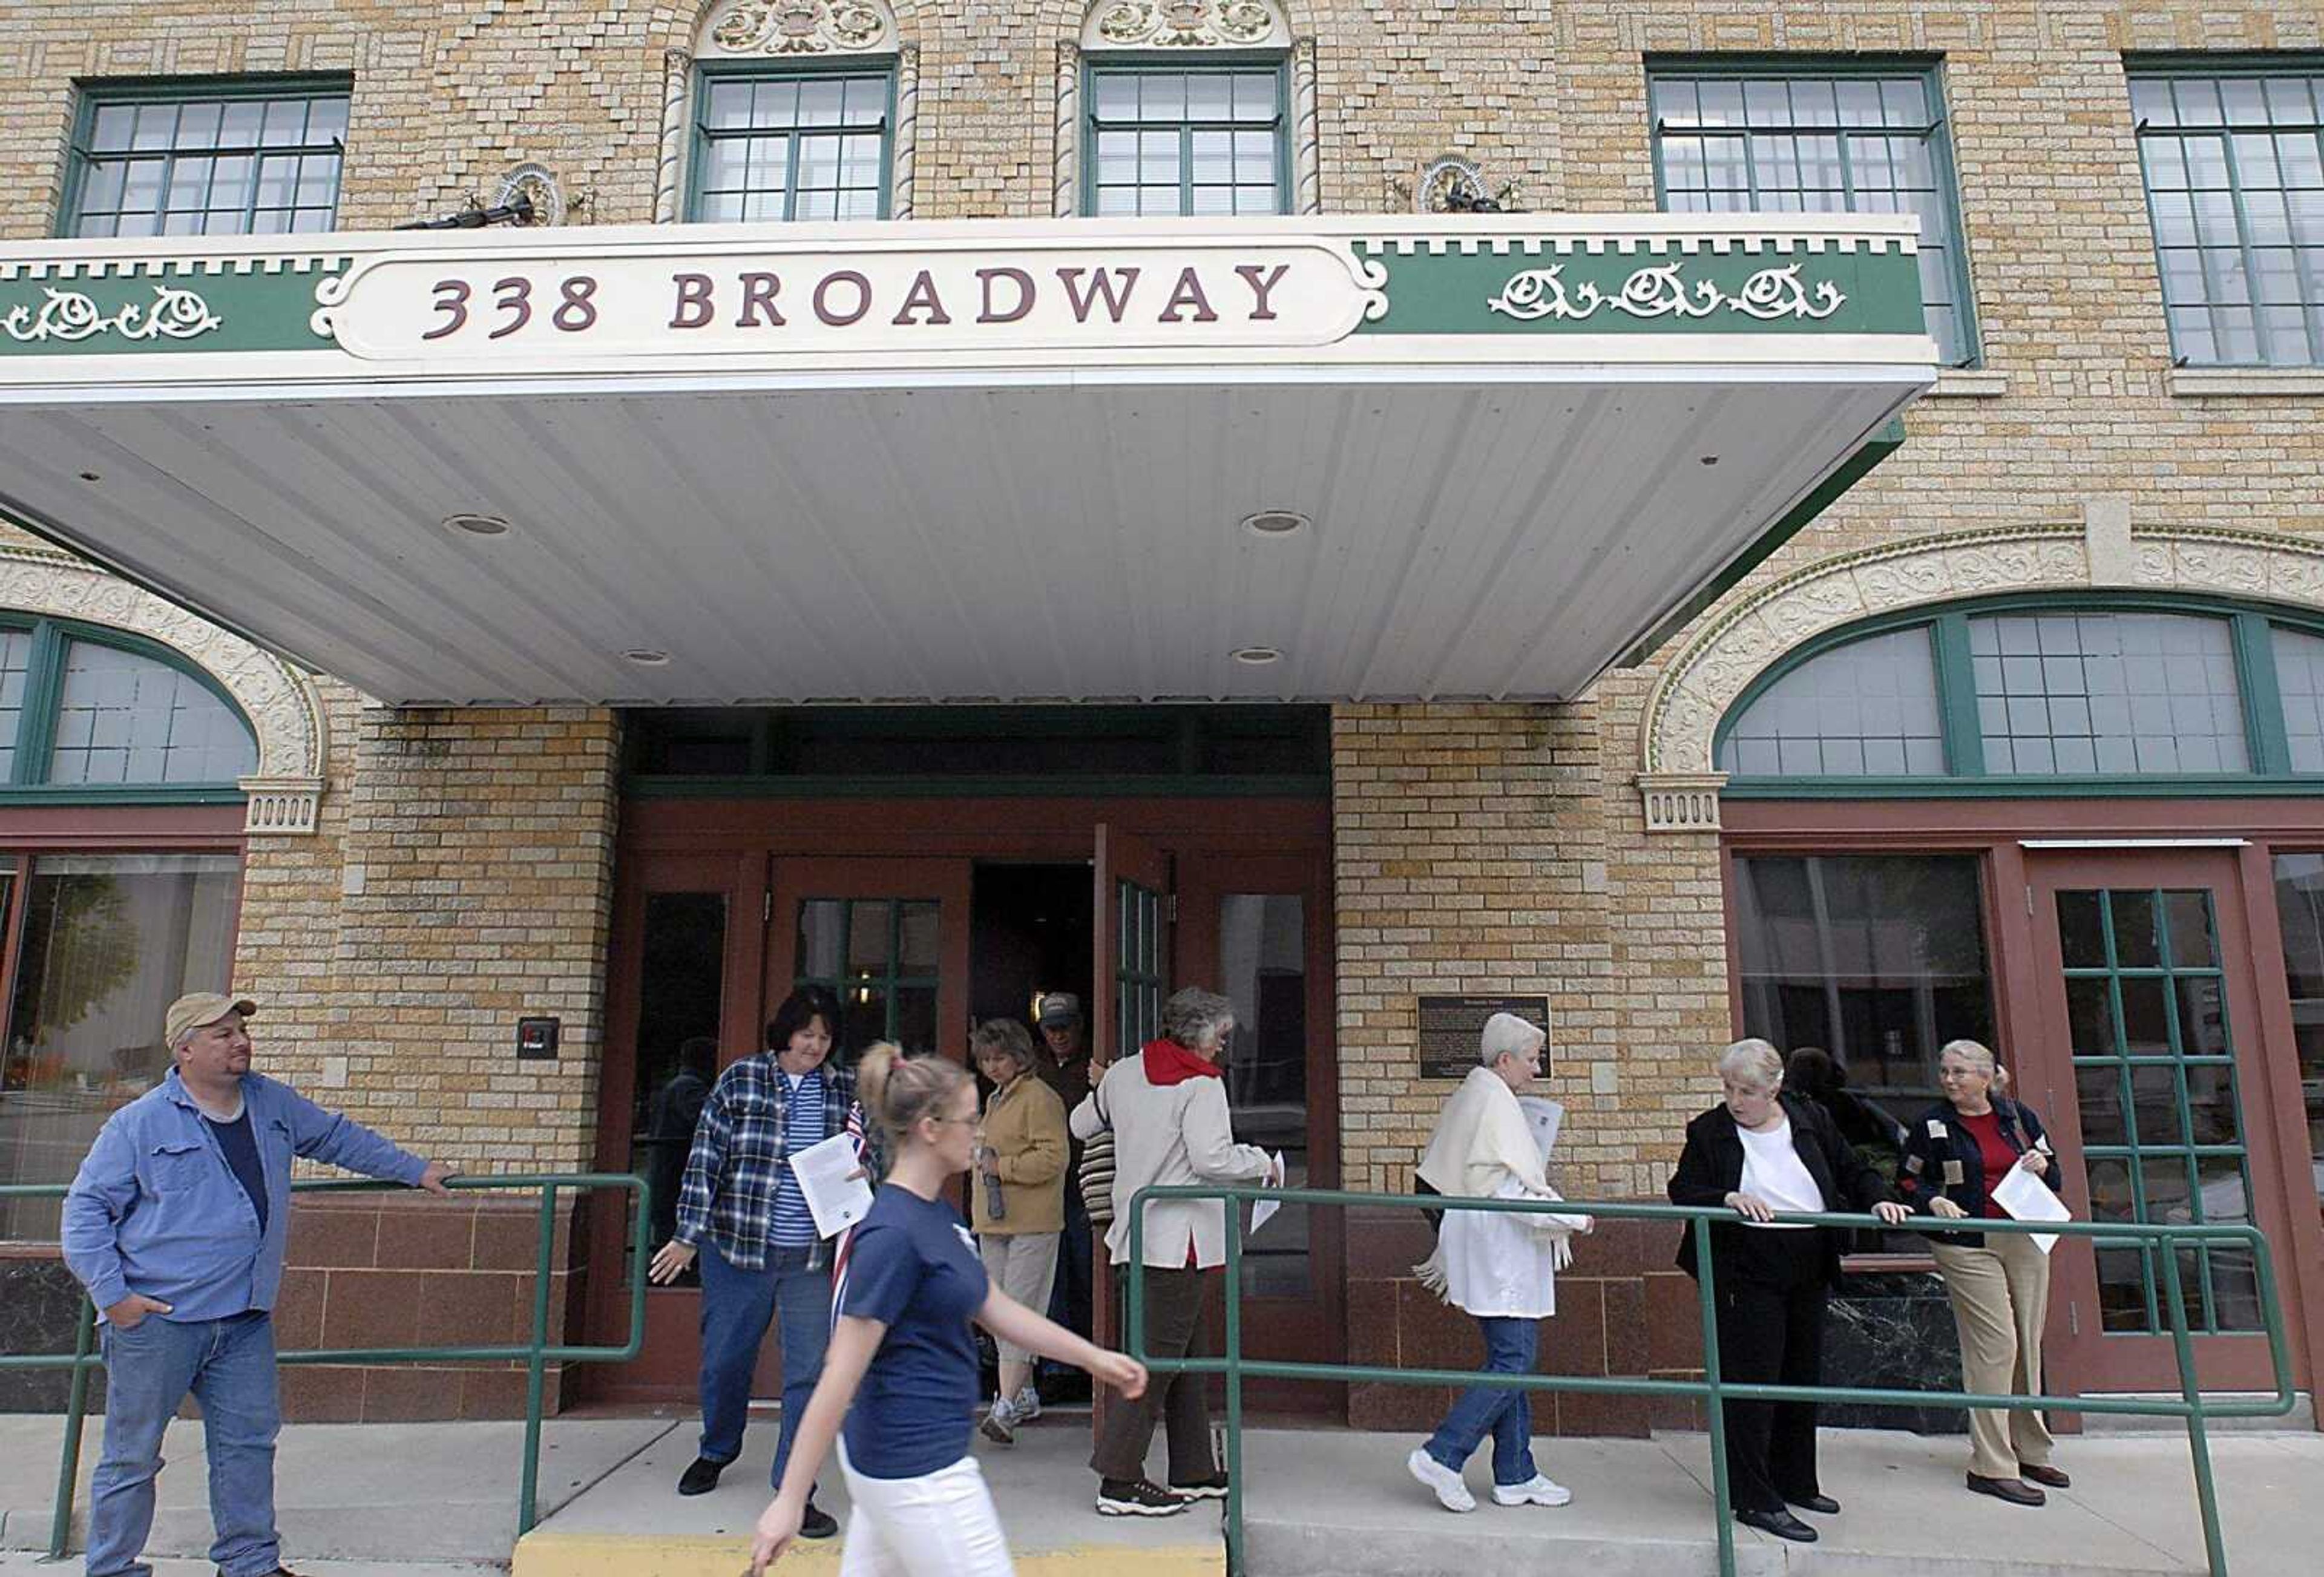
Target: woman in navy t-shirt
[901,1367]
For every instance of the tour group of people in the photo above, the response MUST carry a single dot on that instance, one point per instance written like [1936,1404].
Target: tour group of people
[177,1223]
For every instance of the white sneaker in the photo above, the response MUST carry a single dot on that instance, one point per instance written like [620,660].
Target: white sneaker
[1026,1404]
[1450,1493]
[1000,1425]
[1536,1491]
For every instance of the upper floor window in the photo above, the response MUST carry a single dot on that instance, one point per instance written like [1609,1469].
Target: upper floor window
[1185,108]
[794,113]
[791,144]
[83,712]
[1783,137]
[232,158]
[2026,690]
[1186,142]
[2234,164]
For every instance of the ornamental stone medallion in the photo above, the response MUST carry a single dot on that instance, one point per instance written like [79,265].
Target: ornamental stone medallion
[285,793]
[1184,24]
[1679,783]
[801,27]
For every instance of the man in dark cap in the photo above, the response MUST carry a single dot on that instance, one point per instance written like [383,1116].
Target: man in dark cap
[1067,1068]
[176,1225]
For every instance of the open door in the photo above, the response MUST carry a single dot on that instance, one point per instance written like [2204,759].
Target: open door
[1130,977]
[1131,955]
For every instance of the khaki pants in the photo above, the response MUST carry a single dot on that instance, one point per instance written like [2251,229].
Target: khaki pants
[1024,1265]
[2000,1296]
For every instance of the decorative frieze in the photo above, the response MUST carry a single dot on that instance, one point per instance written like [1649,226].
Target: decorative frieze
[799,28]
[1184,24]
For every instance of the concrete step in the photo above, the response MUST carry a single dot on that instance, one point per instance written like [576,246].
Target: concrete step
[1339,1505]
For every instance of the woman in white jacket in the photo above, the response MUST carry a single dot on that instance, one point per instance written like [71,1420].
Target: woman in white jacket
[1500,1268]
[1168,1109]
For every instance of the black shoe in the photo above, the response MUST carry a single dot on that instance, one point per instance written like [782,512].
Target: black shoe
[2016,1491]
[817,1523]
[1213,1488]
[701,1477]
[1822,1505]
[1782,1524]
[1137,1498]
[2044,1473]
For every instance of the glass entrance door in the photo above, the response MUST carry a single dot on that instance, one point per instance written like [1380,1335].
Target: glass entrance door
[1255,928]
[2151,1037]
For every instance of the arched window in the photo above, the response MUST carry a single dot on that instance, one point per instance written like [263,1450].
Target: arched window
[1188,108]
[84,711]
[2137,696]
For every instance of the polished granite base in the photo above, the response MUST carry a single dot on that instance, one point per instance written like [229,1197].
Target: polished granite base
[1893,1329]
[39,1302]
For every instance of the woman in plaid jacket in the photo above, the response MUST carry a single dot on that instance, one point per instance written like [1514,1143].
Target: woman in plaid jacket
[741,1215]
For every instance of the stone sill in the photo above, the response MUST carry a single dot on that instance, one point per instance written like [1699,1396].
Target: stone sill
[1970,384]
[2236,383]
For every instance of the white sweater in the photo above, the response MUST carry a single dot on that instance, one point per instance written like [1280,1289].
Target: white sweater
[1167,1134]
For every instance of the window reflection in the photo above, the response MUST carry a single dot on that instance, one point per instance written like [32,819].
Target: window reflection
[2299,905]
[109,941]
[1263,971]
[1878,959]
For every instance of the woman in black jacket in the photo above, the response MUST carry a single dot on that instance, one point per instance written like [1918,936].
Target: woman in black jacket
[1757,1152]
[1956,1153]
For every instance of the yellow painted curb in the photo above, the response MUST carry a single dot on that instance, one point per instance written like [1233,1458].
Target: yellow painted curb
[586,1554]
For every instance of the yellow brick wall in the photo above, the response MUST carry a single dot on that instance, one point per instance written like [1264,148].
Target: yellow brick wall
[1479,848]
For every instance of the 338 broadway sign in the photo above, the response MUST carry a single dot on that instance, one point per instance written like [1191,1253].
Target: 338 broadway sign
[1062,293]
[455,308]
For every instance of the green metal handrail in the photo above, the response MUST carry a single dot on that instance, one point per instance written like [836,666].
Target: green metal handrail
[537,1354]
[1711,1389]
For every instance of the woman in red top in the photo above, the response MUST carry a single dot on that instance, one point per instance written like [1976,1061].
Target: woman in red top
[1956,1153]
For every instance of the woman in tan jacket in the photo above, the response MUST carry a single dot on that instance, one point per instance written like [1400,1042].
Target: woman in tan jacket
[1019,1200]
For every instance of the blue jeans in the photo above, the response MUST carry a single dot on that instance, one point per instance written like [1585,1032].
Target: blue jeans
[1505,1414]
[228,1365]
[737,1306]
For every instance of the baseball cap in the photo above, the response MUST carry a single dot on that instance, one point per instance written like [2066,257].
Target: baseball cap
[1059,1011]
[192,1012]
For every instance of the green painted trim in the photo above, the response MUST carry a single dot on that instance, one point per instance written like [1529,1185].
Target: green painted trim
[2223,63]
[706,72]
[44,693]
[921,787]
[1209,63]
[2265,738]
[1827,493]
[2019,788]
[90,96]
[128,794]
[1956,675]
[1846,68]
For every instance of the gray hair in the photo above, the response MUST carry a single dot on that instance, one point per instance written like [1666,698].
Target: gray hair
[1754,1062]
[1196,1018]
[1005,1036]
[1507,1035]
[1975,1053]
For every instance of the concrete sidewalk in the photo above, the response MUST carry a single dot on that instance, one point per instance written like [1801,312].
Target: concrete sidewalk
[439,1500]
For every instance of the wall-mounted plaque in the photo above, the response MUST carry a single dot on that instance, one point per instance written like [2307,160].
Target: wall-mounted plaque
[1449,1026]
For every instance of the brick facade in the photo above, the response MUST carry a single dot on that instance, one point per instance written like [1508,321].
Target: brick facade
[462,870]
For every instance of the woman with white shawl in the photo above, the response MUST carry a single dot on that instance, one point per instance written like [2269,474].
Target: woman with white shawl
[1500,1266]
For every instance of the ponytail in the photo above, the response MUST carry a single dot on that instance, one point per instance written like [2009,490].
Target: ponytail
[898,1090]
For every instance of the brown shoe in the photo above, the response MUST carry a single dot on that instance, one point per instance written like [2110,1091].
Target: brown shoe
[2044,1473]
[2016,1491]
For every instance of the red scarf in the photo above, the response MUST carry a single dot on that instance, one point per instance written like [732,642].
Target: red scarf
[1168,1063]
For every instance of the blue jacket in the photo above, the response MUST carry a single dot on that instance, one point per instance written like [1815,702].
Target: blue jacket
[157,1211]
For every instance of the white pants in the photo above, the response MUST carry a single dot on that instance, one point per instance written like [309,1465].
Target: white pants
[939,1525]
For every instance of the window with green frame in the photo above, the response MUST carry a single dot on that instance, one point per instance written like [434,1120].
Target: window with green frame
[1803,136]
[2234,164]
[1176,139]
[246,156]
[2041,694]
[793,144]
[97,713]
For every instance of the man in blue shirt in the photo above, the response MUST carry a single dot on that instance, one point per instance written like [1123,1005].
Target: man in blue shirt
[176,1226]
